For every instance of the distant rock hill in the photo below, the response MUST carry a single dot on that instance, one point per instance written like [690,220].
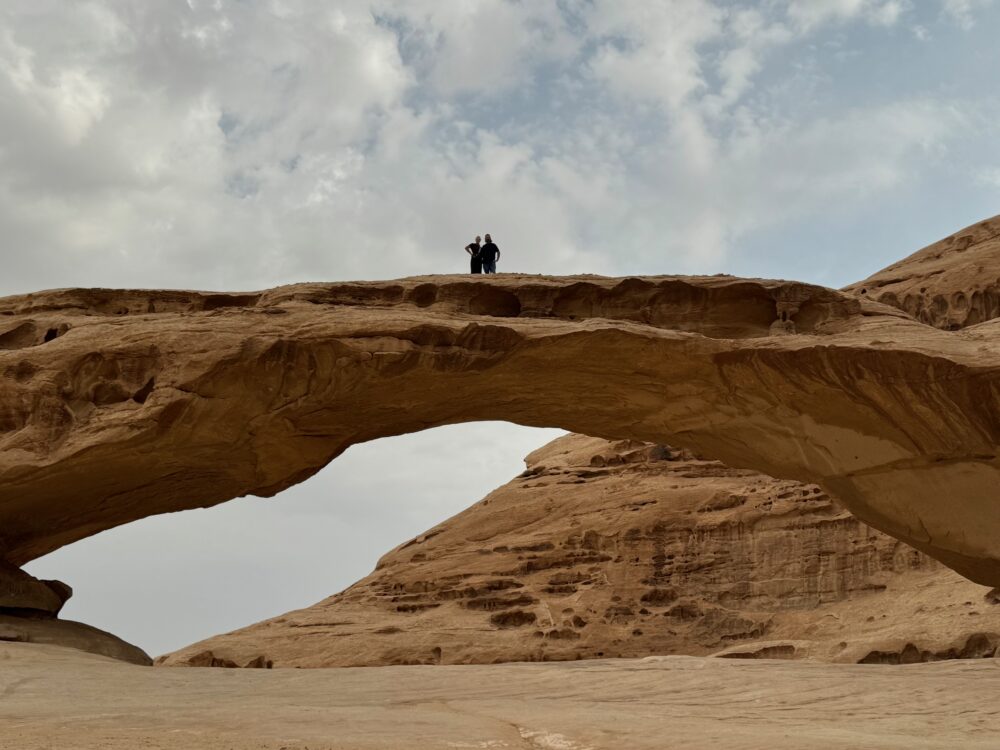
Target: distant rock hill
[952,284]
[623,549]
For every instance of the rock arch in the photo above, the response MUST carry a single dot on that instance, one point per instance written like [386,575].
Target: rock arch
[153,402]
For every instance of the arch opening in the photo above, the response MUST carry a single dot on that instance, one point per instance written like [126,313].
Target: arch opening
[188,575]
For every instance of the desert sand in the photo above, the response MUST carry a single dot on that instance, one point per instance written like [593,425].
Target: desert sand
[57,698]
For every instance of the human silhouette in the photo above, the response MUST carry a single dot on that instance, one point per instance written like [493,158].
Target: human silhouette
[473,250]
[489,254]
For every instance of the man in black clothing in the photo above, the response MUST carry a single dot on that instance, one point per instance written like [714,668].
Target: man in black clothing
[490,254]
[473,250]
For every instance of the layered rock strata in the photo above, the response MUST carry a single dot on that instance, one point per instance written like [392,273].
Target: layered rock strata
[119,405]
[621,549]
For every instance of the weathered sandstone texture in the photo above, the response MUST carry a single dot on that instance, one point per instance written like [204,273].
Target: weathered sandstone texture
[951,284]
[622,549]
[115,405]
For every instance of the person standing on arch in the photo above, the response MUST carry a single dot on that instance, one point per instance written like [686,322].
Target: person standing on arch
[490,254]
[473,250]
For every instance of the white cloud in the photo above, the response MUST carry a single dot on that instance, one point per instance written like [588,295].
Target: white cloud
[808,14]
[989,176]
[68,101]
[485,47]
[651,50]
[964,11]
[241,145]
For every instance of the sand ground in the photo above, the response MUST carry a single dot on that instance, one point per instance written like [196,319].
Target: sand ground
[58,699]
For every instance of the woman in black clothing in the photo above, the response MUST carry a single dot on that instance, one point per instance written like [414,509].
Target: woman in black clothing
[473,250]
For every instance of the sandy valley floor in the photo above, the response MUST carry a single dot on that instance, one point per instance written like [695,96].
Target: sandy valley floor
[59,699]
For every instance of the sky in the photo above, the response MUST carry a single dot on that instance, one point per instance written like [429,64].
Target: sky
[169,581]
[243,144]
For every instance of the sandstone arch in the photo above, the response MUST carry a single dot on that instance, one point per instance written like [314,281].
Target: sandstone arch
[152,402]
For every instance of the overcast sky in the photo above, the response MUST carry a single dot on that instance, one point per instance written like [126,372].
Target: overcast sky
[241,144]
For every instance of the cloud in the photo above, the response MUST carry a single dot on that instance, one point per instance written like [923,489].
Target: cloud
[964,11]
[651,50]
[487,47]
[239,145]
[808,14]
[153,147]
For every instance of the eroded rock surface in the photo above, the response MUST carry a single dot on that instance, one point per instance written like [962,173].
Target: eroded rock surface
[951,284]
[119,405]
[621,549]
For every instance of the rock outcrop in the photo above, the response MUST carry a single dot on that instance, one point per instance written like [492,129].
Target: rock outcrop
[19,628]
[622,549]
[28,611]
[952,284]
[24,594]
[117,405]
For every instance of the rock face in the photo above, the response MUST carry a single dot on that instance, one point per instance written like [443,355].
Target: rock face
[117,405]
[622,549]
[951,284]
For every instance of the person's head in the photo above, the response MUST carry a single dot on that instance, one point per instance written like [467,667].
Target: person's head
[479,239]
[488,238]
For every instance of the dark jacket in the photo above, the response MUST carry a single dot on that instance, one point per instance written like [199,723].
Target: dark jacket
[489,252]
